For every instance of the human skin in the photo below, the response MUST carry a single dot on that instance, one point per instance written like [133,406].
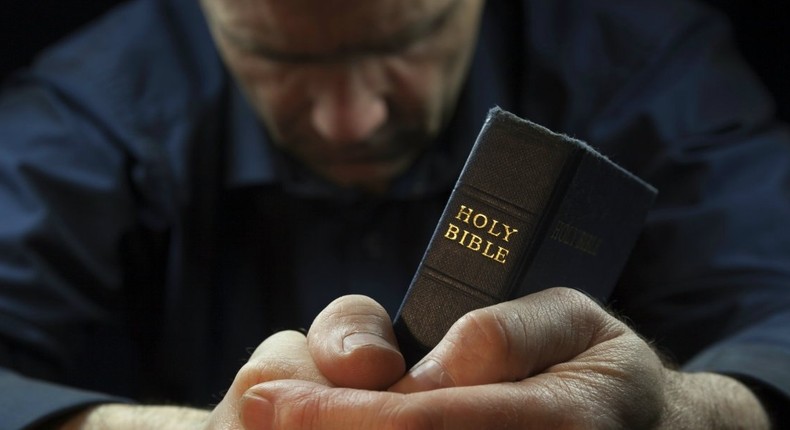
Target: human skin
[554,359]
[354,90]
[356,104]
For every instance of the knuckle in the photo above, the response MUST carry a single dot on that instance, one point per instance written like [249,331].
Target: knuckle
[495,344]
[250,374]
[305,409]
[484,332]
[576,307]
[257,372]
[570,297]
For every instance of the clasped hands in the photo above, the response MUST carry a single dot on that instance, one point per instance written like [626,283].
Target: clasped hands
[554,359]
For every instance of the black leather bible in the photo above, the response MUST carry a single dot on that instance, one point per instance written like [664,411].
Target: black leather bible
[532,209]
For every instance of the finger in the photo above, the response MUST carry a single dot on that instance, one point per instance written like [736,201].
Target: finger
[514,340]
[299,405]
[353,344]
[283,355]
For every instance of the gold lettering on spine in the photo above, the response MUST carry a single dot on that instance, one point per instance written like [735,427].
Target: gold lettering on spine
[487,252]
[576,238]
[463,214]
[508,231]
[463,238]
[484,230]
[452,232]
[493,231]
[475,242]
[501,253]
[483,221]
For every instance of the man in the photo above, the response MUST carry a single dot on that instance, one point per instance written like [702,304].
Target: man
[162,215]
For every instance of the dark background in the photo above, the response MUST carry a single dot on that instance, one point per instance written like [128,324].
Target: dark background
[27,26]
[761,30]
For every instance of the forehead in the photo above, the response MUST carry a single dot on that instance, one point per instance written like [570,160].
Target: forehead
[310,25]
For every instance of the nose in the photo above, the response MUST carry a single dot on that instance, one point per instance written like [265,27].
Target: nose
[348,106]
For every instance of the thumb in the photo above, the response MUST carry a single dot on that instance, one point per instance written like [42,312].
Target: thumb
[353,344]
[514,340]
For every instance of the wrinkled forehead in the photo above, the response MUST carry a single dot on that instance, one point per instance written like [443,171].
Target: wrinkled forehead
[315,25]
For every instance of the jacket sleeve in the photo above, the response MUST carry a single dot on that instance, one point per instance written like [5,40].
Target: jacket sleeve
[709,281]
[29,402]
[65,204]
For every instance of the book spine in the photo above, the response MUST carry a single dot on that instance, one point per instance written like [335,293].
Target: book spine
[592,231]
[501,207]
[531,210]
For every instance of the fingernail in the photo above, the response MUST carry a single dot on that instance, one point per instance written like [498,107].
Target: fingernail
[363,339]
[430,375]
[256,412]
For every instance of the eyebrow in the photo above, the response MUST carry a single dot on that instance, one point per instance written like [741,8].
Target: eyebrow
[401,39]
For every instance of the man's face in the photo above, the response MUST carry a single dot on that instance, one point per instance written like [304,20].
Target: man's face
[354,89]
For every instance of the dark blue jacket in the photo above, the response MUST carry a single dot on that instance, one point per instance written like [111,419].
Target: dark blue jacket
[149,235]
